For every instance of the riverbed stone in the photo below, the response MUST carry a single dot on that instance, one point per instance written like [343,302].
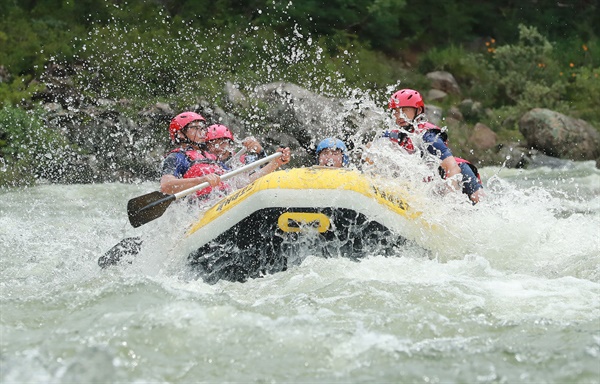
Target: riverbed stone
[434,114]
[455,113]
[444,81]
[559,135]
[436,95]
[483,137]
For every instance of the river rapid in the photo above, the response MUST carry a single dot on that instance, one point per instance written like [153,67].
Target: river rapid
[512,296]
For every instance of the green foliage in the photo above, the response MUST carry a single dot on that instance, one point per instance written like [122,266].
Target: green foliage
[376,21]
[27,44]
[465,66]
[367,69]
[470,69]
[583,91]
[513,78]
[174,59]
[577,52]
[28,148]
[18,90]
[427,23]
[526,68]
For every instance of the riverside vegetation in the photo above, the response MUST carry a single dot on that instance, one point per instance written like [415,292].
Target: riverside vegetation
[79,80]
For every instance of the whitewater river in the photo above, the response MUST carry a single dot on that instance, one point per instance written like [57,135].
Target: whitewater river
[513,296]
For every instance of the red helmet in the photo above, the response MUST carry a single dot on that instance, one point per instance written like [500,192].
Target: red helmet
[406,98]
[180,121]
[218,131]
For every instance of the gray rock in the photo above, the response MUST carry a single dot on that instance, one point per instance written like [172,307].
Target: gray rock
[436,95]
[164,108]
[559,135]
[538,159]
[455,114]
[52,107]
[444,81]
[297,108]
[471,109]
[434,114]
[159,109]
[483,137]
[514,155]
[310,117]
[234,95]
[106,103]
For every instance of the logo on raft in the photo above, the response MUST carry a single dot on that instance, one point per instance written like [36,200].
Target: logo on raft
[233,197]
[303,222]
[396,201]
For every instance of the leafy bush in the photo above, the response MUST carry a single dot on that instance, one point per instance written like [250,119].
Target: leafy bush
[27,44]
[583,90]
[527,70]
[470,69]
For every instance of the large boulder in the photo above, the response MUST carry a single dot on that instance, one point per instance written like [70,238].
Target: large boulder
[559,135]
[298,108]
[60,87]
[309,117]
[444,81]
[436,95]
[434,114]
[234,95]
[483,137]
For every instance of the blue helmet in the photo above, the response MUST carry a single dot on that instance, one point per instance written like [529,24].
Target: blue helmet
[334,143]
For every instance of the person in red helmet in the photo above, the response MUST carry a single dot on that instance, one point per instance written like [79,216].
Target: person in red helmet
[408,110]
[192,163]
[188,131]
[220,141]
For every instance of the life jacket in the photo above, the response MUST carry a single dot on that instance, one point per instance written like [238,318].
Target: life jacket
[203,163]
[405,142]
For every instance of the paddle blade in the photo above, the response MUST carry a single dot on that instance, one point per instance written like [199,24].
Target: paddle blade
[148,207]
[130,246]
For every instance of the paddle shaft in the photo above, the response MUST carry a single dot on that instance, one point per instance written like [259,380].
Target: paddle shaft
[228,175]
[150,206]
[153,206]
[240,153]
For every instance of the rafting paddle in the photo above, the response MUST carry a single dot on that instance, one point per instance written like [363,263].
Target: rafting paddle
[148,207]
[129,246]
[143,209]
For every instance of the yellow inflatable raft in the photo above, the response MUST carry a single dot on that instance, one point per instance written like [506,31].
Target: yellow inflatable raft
[281,217]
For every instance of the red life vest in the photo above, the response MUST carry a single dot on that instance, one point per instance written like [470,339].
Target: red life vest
[203,163]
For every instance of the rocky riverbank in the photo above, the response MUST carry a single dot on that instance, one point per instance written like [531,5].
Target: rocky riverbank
[112,141]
